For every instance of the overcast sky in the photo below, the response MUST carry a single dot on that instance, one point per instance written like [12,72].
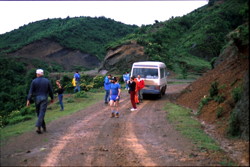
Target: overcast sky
[14,14]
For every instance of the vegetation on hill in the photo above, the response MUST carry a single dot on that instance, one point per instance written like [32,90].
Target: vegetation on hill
[191,42]
[86,34]
[185,44]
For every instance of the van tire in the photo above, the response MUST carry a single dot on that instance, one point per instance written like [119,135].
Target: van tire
[164,90]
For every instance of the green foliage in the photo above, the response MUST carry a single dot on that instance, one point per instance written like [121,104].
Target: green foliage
[13,85]
[213,91]
[181,119]
[69,100]
[237,93]
[204,101]
[234,124]
[213,95]
[98,81]
[81,94]
[86,34]
[16,116]
[219,112]
[219,98]
[200,34]
[53,114]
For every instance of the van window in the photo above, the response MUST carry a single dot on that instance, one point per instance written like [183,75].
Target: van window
[162,72]
[149,73]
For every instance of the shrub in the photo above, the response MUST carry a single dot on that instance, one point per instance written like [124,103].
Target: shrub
[219,112]
[98,81]
[27,111]
[19,118]
[219,98]
[236,93]
[234,124]
[213,91]
[81,94]
[203,102]
[70,100]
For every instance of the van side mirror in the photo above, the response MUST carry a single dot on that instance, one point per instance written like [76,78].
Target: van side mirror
[168,73]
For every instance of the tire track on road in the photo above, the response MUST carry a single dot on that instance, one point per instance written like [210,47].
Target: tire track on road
[84,131]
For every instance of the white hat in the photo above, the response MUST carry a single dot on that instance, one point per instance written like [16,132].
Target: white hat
[39,71]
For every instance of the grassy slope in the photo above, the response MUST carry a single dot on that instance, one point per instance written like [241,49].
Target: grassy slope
[71,105]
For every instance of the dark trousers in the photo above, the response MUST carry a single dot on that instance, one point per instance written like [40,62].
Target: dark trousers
[60,98]
[106,96]
[132,98]
[40,110]
[77,88]
[140,95]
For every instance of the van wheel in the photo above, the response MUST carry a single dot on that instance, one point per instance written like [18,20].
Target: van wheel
[164,90]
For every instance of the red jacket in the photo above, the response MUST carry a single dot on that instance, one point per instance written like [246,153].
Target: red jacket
[140,83]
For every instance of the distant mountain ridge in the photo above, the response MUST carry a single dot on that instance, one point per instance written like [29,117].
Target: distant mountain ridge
[86,34]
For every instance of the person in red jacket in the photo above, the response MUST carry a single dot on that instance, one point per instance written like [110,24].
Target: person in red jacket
[132,88]
[140,86]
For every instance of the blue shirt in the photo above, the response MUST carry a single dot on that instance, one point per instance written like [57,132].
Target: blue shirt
[107,83]
[77,76]
[126,77]
[114,88]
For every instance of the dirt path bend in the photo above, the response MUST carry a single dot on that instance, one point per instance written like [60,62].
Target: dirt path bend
[91,138]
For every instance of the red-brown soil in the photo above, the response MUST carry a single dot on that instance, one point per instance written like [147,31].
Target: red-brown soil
[91,138]
[229,75]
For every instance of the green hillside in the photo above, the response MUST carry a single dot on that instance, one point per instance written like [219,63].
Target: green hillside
[186,44]
[190,42]
[86,34]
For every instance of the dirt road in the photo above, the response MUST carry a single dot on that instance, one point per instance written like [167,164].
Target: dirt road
[91,138]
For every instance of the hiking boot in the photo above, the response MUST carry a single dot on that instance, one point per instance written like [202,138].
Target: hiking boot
[117,115]
[44,129]
[112,115]
[39,130]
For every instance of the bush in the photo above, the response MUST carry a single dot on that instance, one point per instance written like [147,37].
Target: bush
[81,94]
[234,124]
[203,102]
[219,112]
[27,111]
[236,93]
[70,100]
[219,98]
[98,81]
[19,118]
[213,91]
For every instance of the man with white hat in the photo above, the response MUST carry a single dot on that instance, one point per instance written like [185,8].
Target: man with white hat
[40,88]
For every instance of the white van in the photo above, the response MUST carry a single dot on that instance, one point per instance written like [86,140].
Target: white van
[154,75]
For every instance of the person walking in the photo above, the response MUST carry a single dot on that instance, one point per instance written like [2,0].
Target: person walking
[77,77]
[115,93]
[140,86]
[132,87]
[107,84]
[40,88]
[60,91]
[126,79]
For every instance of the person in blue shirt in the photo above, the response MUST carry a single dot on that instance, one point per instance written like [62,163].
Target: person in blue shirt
[126,79]
[77,77]
[107,84]
[115,93]
[40,89]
